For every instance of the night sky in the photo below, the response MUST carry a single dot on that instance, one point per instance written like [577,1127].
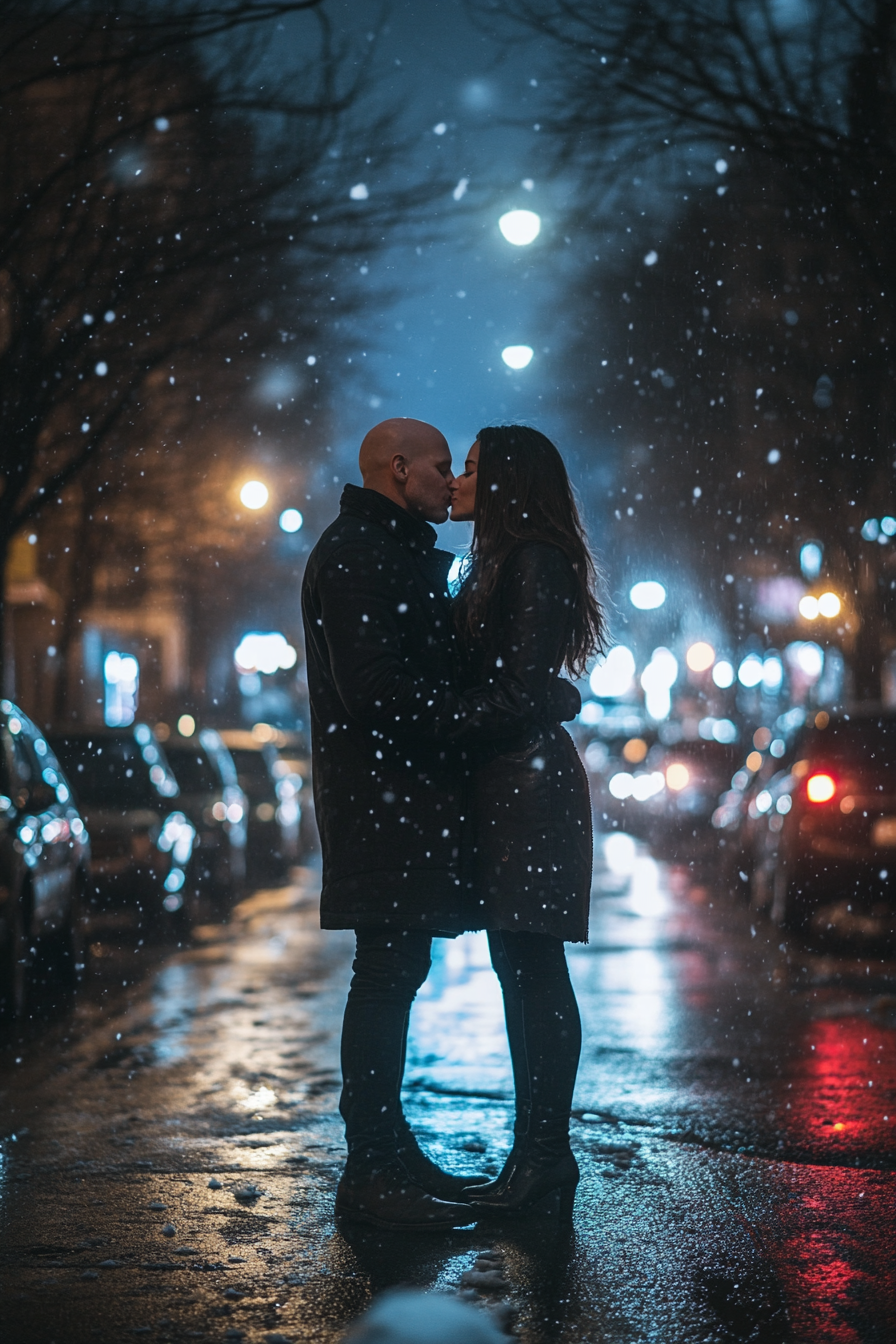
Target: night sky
[434,351]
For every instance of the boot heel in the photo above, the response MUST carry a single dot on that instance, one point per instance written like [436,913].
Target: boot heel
[567,1195]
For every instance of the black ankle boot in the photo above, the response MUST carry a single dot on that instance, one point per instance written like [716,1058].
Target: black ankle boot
[520,1134]
[424,1172]
[385,1195]
[545,1166]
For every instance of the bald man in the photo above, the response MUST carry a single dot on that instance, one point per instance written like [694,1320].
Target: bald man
[389,735]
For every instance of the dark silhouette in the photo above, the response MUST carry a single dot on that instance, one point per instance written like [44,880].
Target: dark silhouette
[390,743]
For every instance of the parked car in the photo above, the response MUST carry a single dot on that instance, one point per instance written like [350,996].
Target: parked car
[824,848]
[44,859]
[142,841]
[272,789]
[211,797]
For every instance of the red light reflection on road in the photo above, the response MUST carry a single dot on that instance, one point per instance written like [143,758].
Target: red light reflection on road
[832,1252]
[846,1088]
[836,1273]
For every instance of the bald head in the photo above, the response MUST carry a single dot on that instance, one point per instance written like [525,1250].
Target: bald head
[409,461]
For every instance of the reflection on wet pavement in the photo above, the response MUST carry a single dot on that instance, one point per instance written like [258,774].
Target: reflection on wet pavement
[171,1148]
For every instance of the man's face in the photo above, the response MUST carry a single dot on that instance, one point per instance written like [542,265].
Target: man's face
[428,484]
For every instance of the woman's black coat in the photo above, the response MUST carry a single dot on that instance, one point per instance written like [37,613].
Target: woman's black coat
[389,731]
[530,803]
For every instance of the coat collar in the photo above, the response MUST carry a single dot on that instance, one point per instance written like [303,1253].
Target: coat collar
[377,508]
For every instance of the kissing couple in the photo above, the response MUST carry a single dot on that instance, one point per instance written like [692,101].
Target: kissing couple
[448,795]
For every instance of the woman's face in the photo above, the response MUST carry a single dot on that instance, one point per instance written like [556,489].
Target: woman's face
[463,491]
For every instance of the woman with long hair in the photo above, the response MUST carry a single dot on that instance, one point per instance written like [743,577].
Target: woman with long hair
[527,610]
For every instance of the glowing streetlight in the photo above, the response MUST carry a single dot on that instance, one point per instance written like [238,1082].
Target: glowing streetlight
[809,607]
[186,725]
[520,227]
[291,520]
[254,495]
[517,356]
[829,605]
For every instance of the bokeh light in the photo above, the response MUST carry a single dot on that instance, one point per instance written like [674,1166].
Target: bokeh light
[291,520]
[517,356]
[811,555]
[613,677]
[268,653]
[700,656]
[677,776]
[520,227]
[657,680]
[820,788]
[647,595]
[749,673]
[254,495]
[723,674]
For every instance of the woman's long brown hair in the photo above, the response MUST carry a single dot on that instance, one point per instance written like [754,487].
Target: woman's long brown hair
[523,494]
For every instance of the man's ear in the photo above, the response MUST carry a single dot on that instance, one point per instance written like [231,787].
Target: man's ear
[399,467]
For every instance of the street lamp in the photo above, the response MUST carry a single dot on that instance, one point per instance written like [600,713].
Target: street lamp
[254,495]
[520,227]
[517,356]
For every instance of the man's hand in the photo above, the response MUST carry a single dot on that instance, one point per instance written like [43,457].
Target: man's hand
[564,701]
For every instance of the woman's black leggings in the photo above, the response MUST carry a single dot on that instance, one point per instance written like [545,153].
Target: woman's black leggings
[542,1017]
[543,1024]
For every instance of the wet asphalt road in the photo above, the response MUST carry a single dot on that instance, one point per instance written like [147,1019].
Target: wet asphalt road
[170,1146]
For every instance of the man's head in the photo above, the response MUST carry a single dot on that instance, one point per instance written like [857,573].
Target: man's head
[409,461]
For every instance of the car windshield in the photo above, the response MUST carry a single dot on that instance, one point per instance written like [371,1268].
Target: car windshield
[111,771]
[192,769]
[868,740]
[252,772]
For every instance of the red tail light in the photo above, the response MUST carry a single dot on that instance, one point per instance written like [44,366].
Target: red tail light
[820,788]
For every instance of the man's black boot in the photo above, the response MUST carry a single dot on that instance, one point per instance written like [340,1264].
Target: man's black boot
[425,1172]
[382,1193]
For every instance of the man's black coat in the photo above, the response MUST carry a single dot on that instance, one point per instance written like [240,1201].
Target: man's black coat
[387,791]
